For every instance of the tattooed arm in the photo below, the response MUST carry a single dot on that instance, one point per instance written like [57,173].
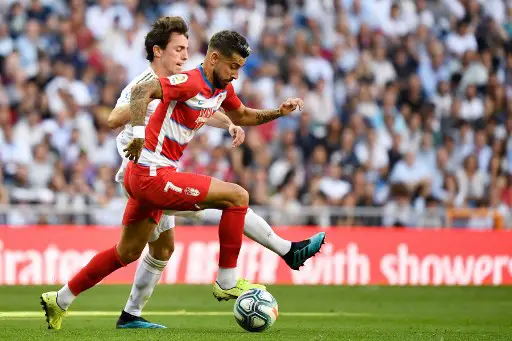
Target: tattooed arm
[142,94]
[244,116]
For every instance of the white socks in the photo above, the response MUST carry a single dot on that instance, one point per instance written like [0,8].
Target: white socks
[226,277]
[147,276]
[255,228]
[65,297]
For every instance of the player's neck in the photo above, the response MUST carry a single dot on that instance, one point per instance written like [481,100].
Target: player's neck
[208,73]
[159,70]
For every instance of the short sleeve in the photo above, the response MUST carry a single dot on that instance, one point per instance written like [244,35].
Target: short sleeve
[178,87]
[232,102]
[126,94]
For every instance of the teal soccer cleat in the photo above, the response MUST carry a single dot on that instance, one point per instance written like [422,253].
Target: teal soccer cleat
[303,250]
[129,321]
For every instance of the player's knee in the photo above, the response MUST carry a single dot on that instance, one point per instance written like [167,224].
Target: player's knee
[161,252]
[239,196]
[129,253]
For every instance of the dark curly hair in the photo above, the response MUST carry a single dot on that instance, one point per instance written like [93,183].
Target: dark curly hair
[229,42]
[161,32]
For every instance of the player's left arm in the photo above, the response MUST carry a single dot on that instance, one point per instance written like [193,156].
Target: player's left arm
[244,116]
[222,121]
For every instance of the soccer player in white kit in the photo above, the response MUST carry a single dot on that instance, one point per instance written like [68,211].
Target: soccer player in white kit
[167,57]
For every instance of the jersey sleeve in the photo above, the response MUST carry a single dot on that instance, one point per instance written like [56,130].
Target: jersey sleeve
[232,102]
[180,87]
[125,96]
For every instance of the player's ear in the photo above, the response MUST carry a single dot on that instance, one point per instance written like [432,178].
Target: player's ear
[157,51]
[214,58]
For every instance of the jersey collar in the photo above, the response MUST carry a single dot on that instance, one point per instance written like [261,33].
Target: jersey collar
[200,67]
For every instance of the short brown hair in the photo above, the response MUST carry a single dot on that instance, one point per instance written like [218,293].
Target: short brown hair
[229,42]
[161,32]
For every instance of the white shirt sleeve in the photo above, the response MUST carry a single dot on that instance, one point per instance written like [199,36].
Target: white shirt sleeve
[125,96]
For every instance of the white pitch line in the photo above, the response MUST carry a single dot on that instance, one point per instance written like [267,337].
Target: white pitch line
[34,314]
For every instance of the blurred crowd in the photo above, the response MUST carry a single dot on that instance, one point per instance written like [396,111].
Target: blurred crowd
[408,105]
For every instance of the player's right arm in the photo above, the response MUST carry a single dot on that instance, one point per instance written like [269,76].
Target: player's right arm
[174,88]
[119,116]
[142,94]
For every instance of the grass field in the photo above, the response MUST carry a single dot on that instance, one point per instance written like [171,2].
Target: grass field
[306,313]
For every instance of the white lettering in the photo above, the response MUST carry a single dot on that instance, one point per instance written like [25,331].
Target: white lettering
[388,268]
[201,262]
[32,273]
[173,187]
[330,267]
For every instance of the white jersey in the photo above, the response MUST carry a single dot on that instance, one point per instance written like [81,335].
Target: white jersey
[126,135]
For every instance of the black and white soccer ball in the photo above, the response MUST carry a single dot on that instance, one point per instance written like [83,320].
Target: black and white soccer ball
[256,310]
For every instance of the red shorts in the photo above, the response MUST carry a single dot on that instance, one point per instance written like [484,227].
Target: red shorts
[167,190]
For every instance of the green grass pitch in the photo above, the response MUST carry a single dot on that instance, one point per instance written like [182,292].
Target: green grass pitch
[306,313]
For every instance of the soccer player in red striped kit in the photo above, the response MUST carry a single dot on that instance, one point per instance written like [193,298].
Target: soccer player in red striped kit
[188,101]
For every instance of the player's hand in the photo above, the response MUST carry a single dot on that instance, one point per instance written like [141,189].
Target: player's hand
[238,135]
[290,105]
[134,149]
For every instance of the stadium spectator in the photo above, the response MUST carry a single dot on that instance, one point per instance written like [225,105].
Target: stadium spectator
[397,93]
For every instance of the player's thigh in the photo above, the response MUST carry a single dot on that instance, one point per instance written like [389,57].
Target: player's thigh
[178,191]
[139,221]
[223,194]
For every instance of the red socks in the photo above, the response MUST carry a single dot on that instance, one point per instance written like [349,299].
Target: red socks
[231,230]
[99,267]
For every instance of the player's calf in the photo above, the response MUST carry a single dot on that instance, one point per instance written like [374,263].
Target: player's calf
[133,239]
[233,201]
[147,276]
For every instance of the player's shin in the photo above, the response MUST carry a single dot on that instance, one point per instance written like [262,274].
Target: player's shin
[231,229]
[99,267]
[255,228]
[147,276]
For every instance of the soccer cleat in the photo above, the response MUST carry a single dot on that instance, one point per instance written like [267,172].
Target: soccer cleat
[52,311]
[242,285]
[129,321]
[303,250]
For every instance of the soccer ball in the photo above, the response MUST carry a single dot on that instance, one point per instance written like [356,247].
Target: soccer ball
[256,310]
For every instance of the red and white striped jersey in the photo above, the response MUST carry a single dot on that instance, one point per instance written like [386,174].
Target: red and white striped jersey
[126,135]
[189,100]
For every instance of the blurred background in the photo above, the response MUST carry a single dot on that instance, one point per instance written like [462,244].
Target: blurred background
[407,120]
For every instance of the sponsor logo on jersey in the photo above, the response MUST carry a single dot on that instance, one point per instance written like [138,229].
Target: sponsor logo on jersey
[194,192]
[178,79]
[203,117]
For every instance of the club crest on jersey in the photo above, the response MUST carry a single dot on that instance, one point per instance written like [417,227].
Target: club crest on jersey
[178,79]
[220,98]
[193,192]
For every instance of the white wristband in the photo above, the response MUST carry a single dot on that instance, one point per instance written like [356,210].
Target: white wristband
[139,132]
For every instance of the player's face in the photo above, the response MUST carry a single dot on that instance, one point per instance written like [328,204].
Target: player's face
[175,54]
[226,69]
